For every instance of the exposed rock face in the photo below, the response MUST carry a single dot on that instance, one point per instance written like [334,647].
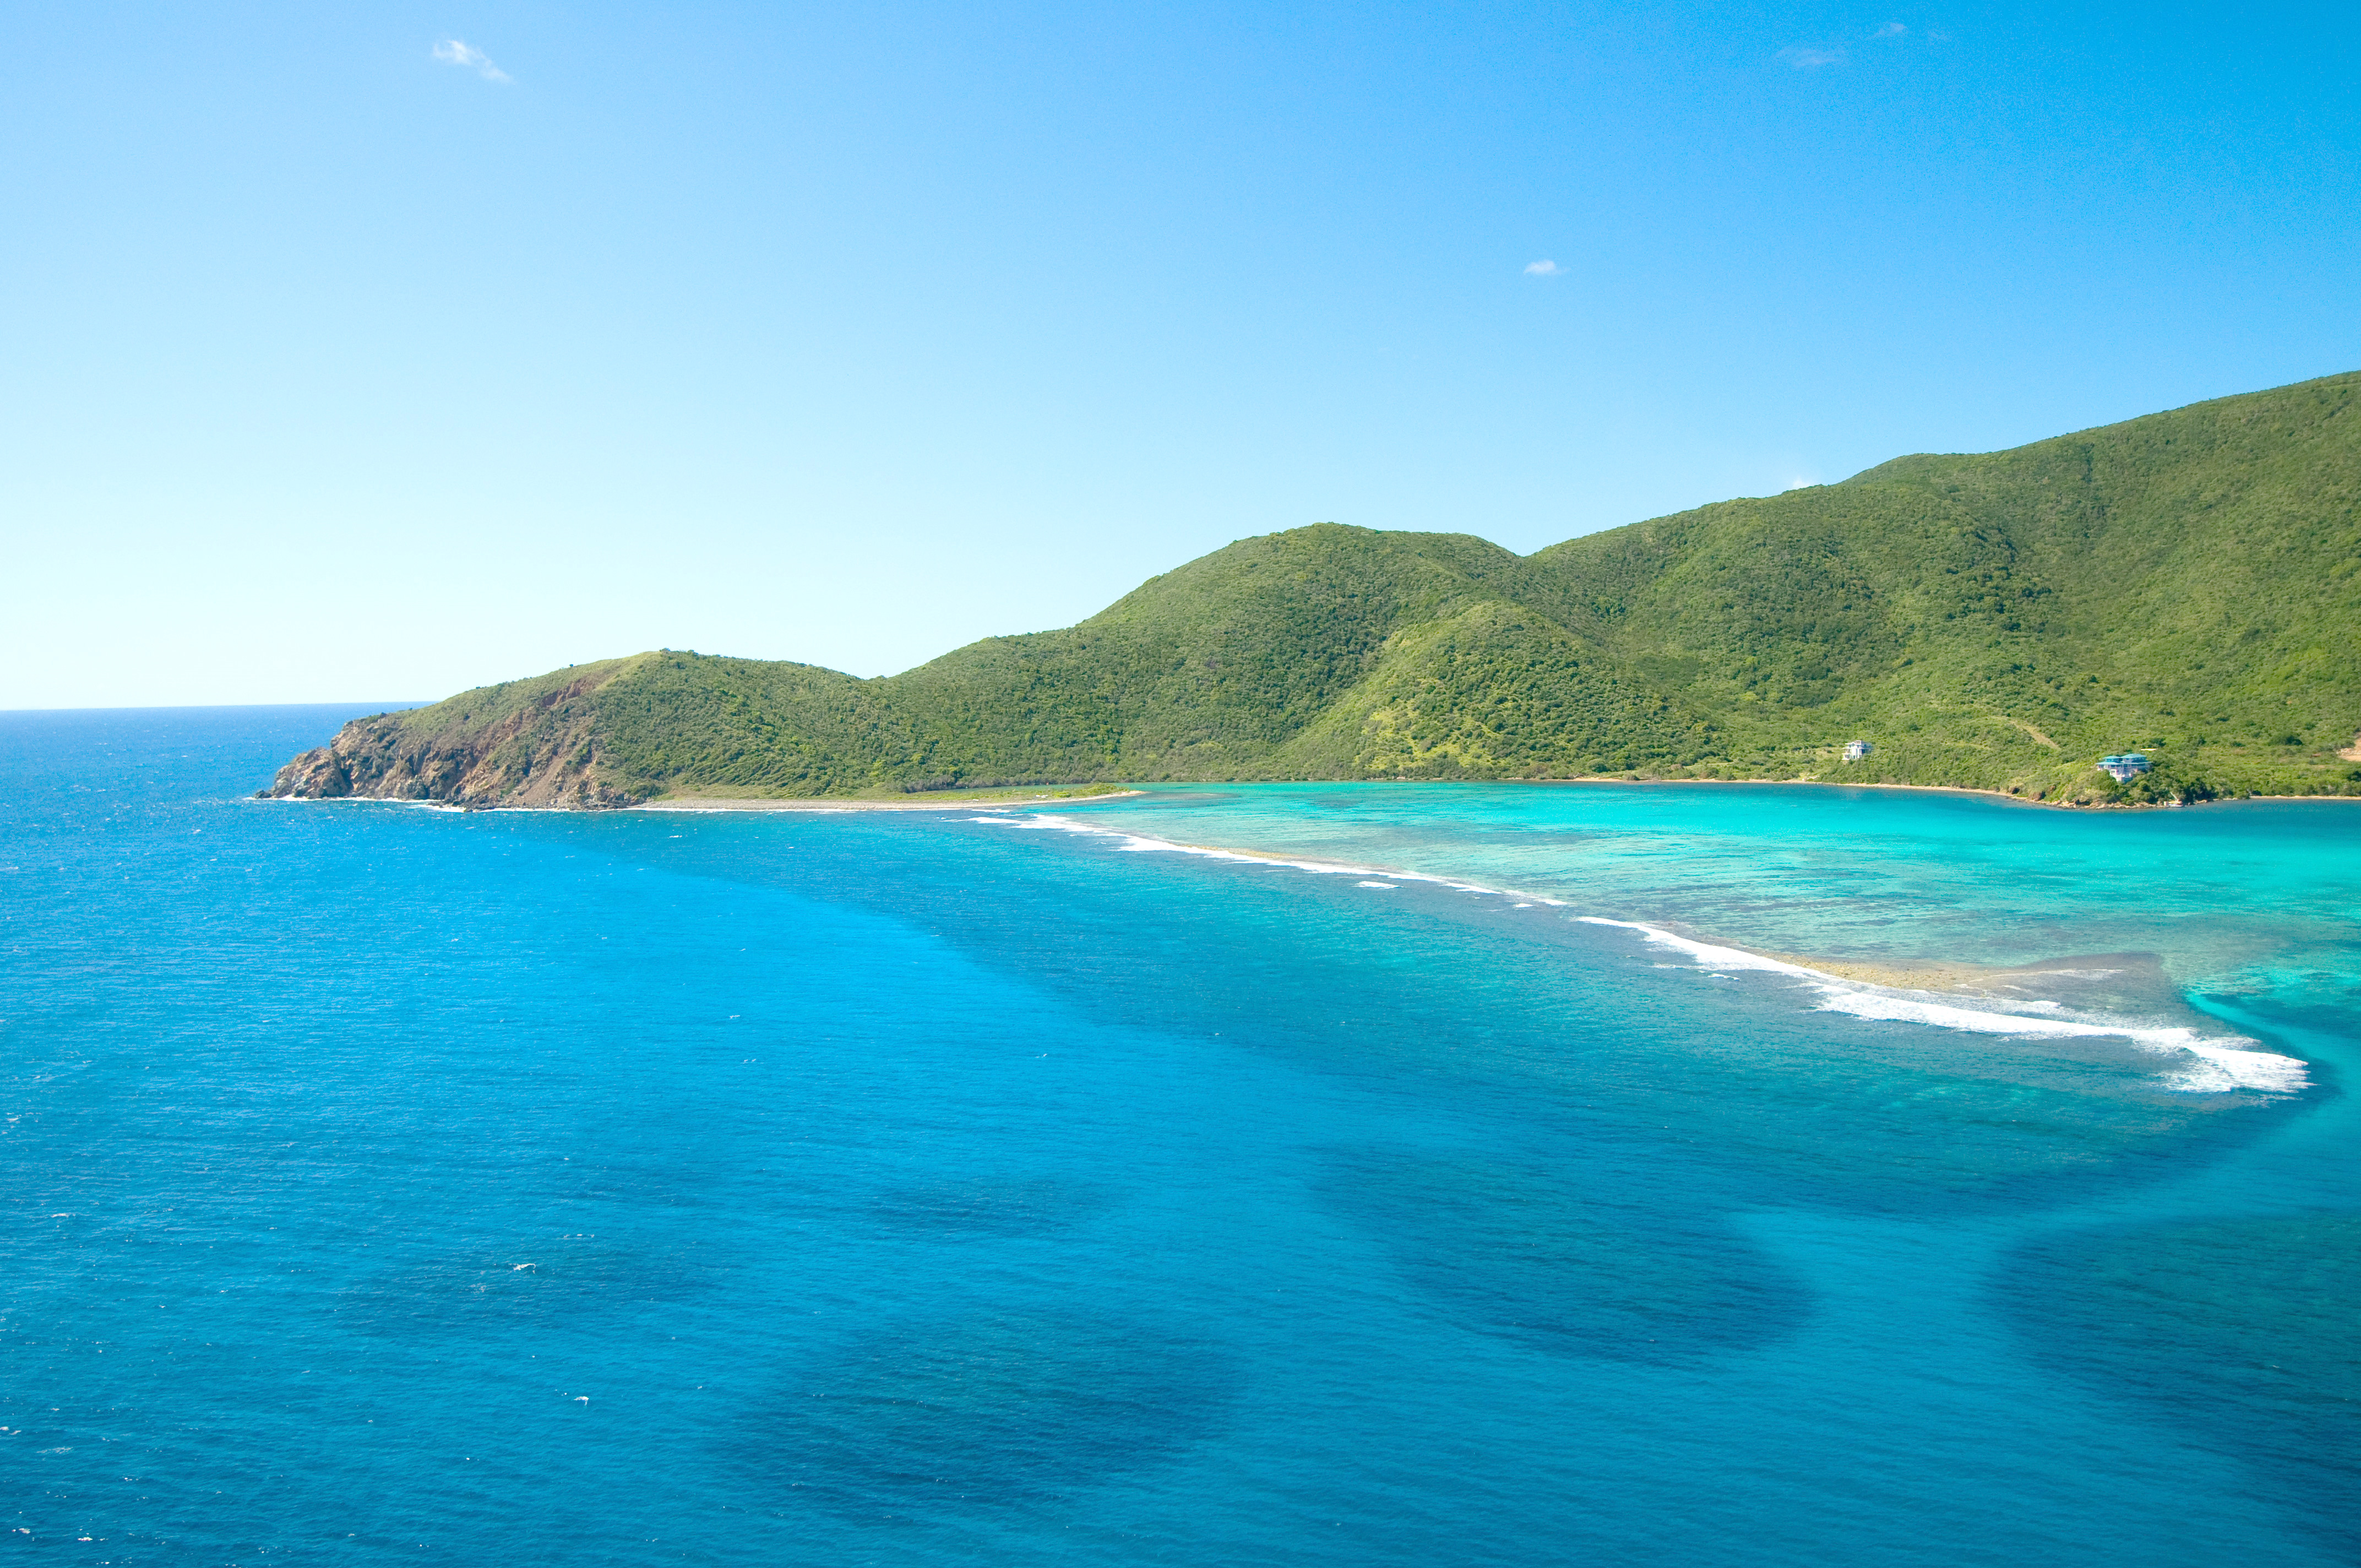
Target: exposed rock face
[540,756]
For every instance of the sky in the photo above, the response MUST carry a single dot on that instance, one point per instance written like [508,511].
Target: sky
[362,353]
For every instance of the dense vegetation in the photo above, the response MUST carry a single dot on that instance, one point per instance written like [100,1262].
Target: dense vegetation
[2183,584]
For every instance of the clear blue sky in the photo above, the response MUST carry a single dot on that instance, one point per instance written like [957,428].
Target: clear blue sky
[373,352]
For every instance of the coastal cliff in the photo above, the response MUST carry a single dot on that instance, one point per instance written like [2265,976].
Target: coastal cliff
[2185,585]
[539,751]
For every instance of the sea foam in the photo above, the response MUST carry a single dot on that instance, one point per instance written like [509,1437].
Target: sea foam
[2210,1064]
[1143,843]
[2221,1063]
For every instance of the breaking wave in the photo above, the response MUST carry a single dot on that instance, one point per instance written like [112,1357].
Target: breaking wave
[2219,1063]
[2209,1064]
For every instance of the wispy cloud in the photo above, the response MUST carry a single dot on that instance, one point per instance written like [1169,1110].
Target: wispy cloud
[452,51]
[1544,269]
[1891,30]
[1811,57]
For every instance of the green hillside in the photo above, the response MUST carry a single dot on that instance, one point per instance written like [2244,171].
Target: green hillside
[2183,584]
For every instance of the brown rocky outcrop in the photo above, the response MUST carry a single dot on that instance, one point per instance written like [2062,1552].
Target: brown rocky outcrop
[541,754]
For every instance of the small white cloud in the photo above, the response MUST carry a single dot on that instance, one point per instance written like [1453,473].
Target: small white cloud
[1891,30]
[1544,269]
[1799,483]
[452,51]
[1809,56]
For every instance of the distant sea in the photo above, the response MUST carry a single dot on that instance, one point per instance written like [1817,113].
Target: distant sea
[382,1184]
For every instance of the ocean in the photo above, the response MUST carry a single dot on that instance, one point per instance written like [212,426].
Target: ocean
[1434,1175]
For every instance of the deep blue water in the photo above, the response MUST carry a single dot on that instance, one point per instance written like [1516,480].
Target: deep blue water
[384,1184]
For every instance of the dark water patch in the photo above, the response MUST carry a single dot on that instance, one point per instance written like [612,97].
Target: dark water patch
[1579,1026]
[988,1205]
[304,1059]
[1533,1253]
[958,1414]
[2244,1333]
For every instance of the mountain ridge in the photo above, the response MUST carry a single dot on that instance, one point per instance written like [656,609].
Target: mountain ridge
[2183,584]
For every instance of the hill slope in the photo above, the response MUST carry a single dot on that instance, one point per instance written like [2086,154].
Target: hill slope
[2184,584]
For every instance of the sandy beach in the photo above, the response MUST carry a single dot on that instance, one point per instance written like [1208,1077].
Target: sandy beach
[911,802]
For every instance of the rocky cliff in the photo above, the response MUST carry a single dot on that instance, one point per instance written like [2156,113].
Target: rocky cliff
[538,752]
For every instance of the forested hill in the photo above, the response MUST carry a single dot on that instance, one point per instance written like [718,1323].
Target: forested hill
[2188,584]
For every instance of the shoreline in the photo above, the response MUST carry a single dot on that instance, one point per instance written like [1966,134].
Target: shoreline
[1921,789]
[921,803]
[1846,784]
[910,804]
[937,803]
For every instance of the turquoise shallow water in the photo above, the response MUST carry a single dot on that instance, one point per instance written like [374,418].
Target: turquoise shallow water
[388,1184]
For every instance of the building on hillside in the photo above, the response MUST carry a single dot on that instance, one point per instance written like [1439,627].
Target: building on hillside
[2129,765]
[1856,750]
